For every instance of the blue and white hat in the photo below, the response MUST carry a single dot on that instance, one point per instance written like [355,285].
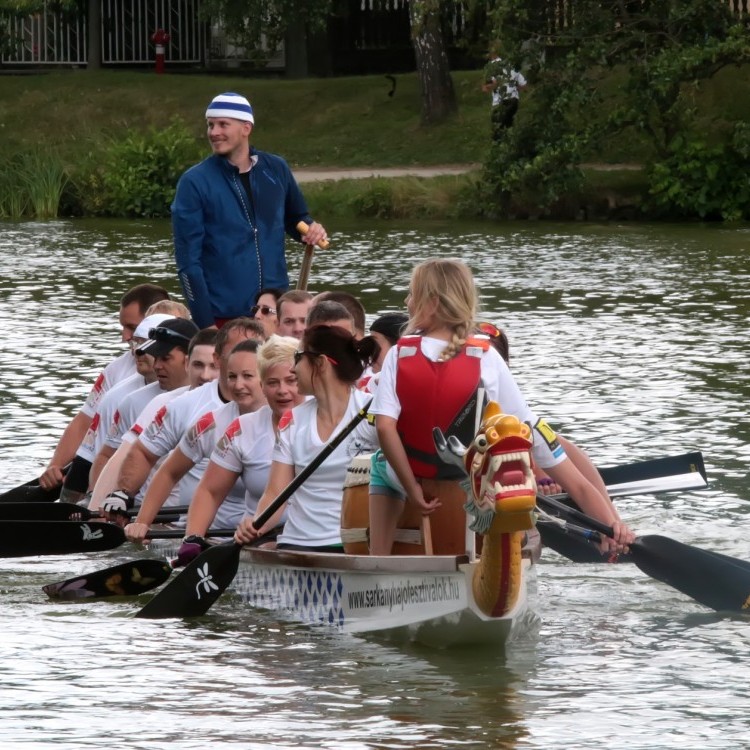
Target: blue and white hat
[231,105]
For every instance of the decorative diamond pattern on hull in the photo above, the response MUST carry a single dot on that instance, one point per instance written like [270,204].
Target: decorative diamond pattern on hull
[311,596]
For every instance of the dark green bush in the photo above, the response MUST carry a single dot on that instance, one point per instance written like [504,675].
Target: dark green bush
[709,181]
[137,176]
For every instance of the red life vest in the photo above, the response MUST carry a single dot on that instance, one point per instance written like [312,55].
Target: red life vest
[436,394]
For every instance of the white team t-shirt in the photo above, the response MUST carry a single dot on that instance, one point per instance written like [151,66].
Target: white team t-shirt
[314,510]
[93,440]
[115,372]
[245,449]
[149,413]
[164,435]
[127,412]
[198,444]
[499,386]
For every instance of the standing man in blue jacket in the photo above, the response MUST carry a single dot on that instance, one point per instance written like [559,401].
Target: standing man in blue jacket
[230,217]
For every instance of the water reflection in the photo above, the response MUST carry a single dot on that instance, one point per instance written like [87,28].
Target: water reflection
[631,339]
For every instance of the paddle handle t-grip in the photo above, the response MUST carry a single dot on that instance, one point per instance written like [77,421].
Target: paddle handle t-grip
[303,228]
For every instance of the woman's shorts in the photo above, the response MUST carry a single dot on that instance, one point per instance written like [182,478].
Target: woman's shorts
[383,480]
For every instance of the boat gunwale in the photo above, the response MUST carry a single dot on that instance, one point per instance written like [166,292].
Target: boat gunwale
[358,563]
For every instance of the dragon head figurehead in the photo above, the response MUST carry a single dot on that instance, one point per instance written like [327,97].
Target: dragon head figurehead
[502,484]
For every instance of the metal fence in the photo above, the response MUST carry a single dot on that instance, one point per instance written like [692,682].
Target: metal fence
[53,37]
[56,37]
[740,7]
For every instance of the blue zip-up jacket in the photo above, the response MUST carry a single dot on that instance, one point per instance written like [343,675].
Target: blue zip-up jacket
[227,247]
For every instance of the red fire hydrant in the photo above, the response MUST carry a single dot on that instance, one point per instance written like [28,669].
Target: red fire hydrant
[160,38]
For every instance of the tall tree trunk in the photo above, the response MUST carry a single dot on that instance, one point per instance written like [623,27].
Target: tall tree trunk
[94,36]
[438,94]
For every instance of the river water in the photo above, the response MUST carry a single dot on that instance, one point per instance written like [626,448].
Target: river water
[630,339]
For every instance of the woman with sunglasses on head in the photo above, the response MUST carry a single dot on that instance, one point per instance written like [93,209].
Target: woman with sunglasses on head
[264,309]
[328,363]
[433,378]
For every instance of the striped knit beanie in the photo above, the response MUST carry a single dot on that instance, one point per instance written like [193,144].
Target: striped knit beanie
[231,105]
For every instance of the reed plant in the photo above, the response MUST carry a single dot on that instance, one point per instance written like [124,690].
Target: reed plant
[13,194]
[45,178]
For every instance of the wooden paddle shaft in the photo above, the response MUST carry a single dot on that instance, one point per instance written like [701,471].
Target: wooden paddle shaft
[304,273]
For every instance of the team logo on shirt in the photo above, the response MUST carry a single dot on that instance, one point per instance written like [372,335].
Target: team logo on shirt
[154,427]
[286,419]
[549,436]
[88,440]
[204,424]
[159,416]
[114,427]
[231,433]
[96,391]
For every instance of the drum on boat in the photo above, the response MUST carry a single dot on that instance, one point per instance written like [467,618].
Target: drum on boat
[447,523]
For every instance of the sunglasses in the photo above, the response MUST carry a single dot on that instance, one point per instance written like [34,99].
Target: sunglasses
[262,309]
[301,353]
[489,329]
[164,334]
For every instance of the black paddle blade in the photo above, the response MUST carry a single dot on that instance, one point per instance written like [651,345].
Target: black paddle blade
[128,579]
[22,538]
[716,581]
[196,588]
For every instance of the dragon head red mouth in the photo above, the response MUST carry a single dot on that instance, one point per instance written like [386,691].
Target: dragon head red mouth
[499,464]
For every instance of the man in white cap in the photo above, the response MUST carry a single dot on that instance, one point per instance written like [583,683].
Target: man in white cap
[230,216]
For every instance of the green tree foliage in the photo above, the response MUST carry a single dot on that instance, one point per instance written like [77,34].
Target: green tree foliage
[658,50]
[259,26]
[712,181]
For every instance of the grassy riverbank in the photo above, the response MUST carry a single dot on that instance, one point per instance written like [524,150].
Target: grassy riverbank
[79,118]
[334,122]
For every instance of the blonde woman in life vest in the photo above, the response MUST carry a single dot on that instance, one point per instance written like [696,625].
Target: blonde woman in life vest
[431,378]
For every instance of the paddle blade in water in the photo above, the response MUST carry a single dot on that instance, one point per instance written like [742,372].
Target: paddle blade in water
[716,581]
[22,538]
[129,579]
[197,587]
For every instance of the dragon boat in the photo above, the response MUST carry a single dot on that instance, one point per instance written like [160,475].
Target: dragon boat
[458,595]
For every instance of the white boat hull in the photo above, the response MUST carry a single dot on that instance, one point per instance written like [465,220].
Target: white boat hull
[426,599]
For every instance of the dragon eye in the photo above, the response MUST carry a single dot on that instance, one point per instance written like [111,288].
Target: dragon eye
[480,443]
